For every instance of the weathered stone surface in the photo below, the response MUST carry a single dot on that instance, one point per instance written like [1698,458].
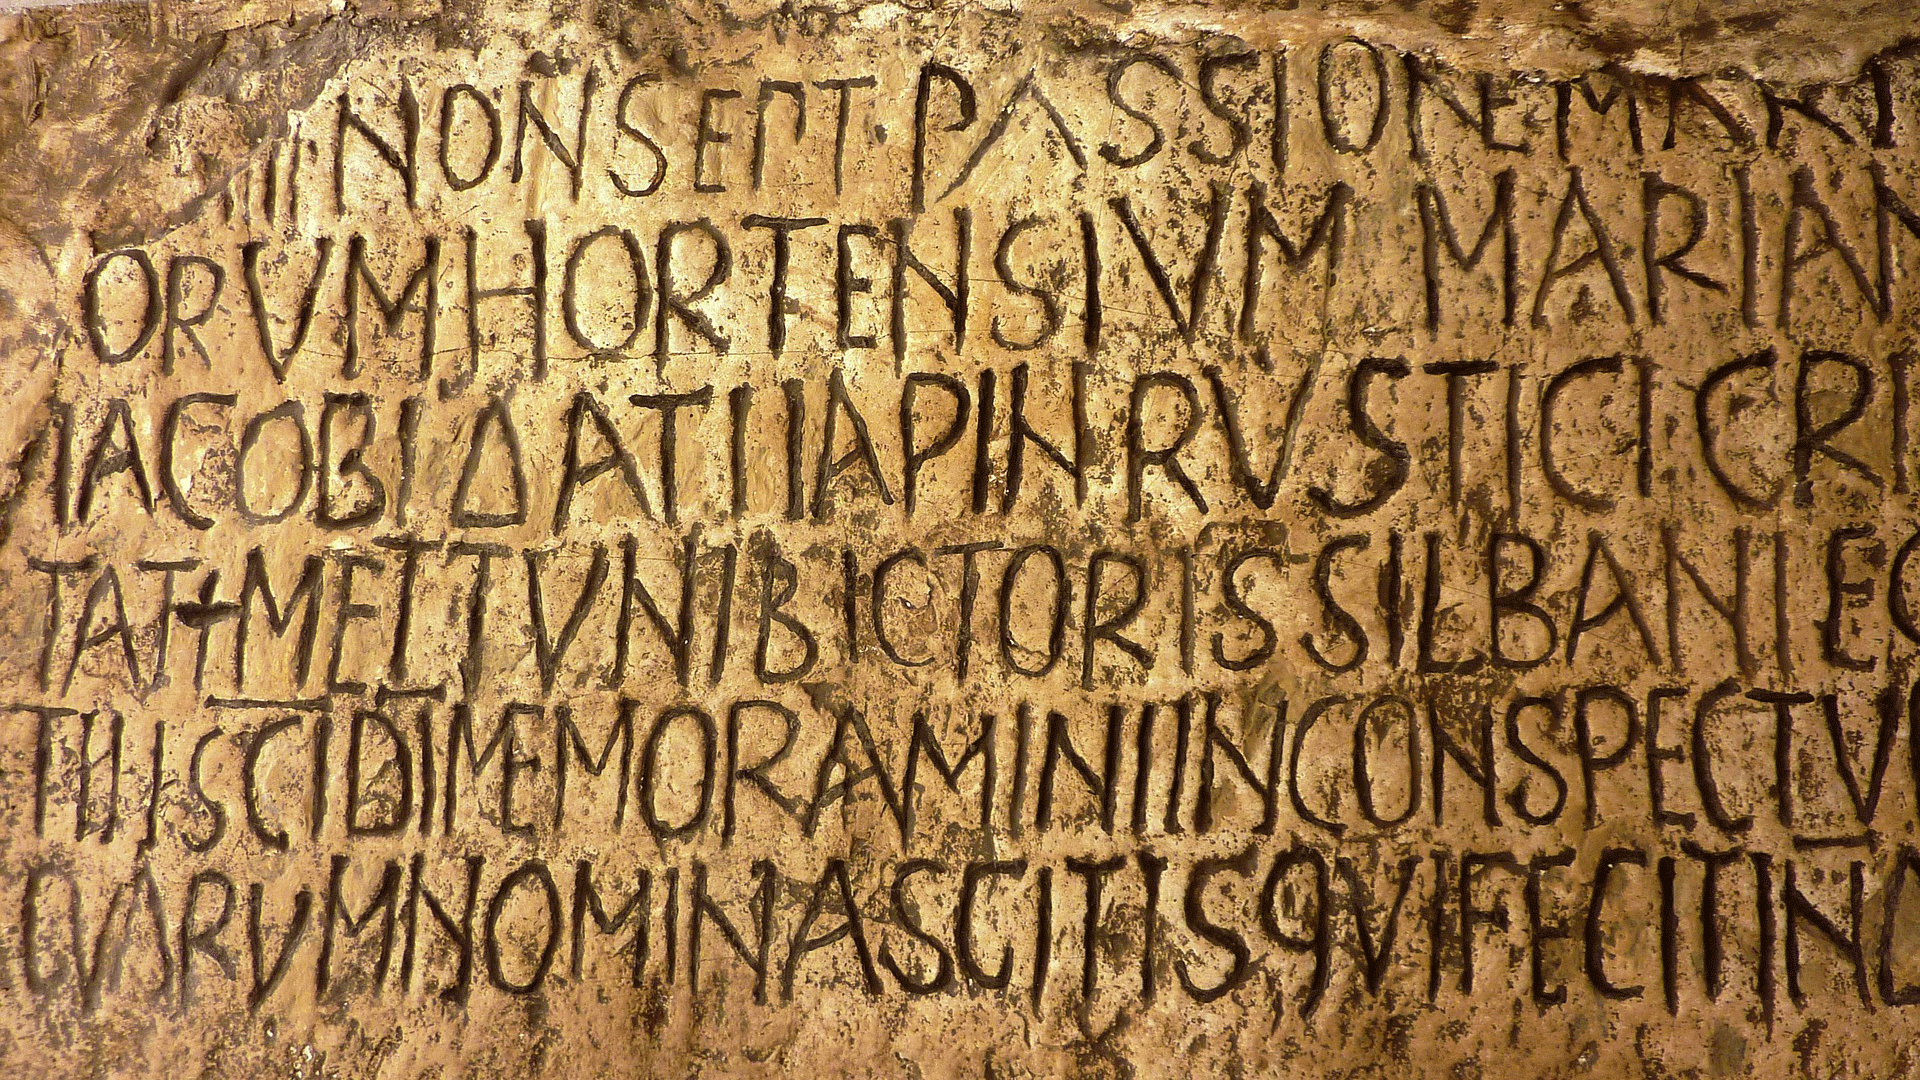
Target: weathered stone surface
[1138,539]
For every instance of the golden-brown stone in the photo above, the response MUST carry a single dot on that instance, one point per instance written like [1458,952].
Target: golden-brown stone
[979,540]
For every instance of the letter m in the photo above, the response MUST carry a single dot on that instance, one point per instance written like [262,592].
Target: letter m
[1438,235]
[385,902]
[257,587]
[1326,233]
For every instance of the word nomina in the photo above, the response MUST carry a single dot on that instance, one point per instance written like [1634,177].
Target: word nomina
[1303,913]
